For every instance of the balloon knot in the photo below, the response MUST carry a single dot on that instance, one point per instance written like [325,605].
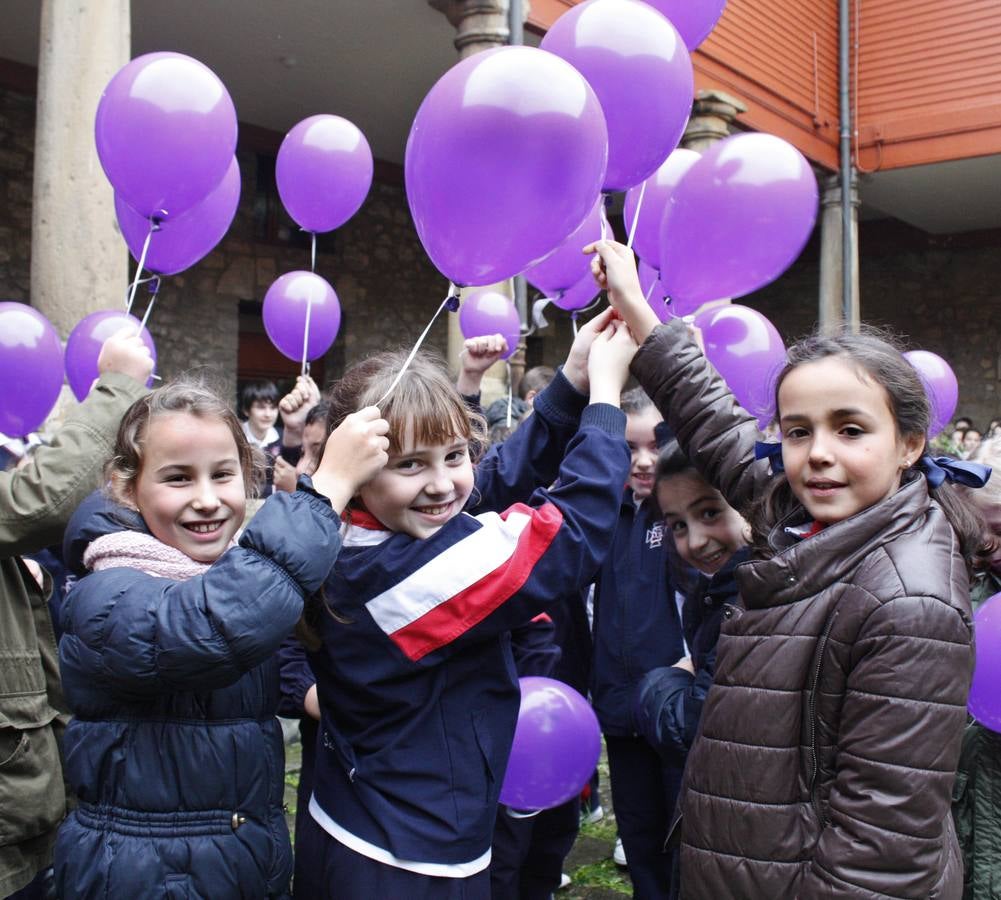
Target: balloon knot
[154,284]
[452,303]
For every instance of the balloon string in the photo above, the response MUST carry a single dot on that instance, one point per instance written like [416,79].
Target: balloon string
[636,216]
[573,323]
[305,333]
[650,291]
[149,309]
[604,218]
[312,255]
[451,302]
[507,362]
[153,226]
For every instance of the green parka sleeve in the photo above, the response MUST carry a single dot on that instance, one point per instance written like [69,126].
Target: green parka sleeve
[37,501]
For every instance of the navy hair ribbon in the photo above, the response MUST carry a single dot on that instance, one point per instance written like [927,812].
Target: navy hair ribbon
[958,471]
[772,452]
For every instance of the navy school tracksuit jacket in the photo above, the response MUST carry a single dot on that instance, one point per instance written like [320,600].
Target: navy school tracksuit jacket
[636,623]
[416,679]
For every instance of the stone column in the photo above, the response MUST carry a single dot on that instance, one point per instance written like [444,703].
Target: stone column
[480,25]
[713,112]
[831,313]
[79,262]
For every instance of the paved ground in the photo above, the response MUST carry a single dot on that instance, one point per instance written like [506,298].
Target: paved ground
[595,876]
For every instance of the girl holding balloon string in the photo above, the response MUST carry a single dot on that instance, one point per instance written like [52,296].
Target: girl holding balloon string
[830,737]
[415,677]
[174,752]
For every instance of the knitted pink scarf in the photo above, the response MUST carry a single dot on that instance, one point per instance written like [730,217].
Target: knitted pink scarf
[135,550]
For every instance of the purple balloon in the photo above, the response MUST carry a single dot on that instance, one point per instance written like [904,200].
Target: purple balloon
[580,296]
[183,240]
[84,346]
[737,219]
[504,159]
[940,385]
[166,133]
[656,195]
[984,703]
[640,69]
[490,312]
[324,172]
[31,368]
[747,351]
[556,746]
[285,306]
[694,19]
[567,264]
[653,290]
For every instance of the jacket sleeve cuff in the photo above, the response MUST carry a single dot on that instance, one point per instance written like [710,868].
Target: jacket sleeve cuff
[608,418]
[561,401]
[124,383]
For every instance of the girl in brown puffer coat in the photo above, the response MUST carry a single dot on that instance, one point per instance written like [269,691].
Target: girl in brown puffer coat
[830,738]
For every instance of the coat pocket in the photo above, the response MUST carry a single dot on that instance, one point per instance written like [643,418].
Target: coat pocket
[177,887]
[32,796]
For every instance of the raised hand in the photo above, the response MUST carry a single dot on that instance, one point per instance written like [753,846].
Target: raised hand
[614,268]
[295,406]
[575,368]
[354,454]
[124,352]
[608,362]
[478,355]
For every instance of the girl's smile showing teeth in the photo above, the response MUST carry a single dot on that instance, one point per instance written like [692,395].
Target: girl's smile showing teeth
[205,527]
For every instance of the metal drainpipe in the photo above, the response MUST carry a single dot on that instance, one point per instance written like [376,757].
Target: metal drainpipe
[516,37]
[847,169]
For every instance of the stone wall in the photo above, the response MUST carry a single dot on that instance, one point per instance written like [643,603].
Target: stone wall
[17,151]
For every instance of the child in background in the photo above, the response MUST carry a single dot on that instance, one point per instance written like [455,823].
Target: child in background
[168,661]
[415,677]
[978,781]
[710,536]
[259,407]
[36,501]
[637,627]
[830,737]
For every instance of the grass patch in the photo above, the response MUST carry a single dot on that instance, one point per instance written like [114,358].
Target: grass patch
[602,874]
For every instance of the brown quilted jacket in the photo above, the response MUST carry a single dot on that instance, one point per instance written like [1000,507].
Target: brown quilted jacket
[830,738]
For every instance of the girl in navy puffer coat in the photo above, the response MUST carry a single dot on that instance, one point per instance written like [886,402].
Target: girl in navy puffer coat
[168,654]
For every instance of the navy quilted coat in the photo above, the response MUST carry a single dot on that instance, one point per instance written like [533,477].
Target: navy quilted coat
[174,753]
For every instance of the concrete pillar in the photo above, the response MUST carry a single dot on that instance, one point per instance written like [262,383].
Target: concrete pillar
[79,262]
[831,314]
[480,25]
[713,112]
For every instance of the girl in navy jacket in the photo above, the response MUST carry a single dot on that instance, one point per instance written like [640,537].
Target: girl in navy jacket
[167,655]
[416,681]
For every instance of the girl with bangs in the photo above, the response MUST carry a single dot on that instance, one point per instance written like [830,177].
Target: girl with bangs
[410,640]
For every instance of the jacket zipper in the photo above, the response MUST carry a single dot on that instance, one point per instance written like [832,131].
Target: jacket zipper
[815,686]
